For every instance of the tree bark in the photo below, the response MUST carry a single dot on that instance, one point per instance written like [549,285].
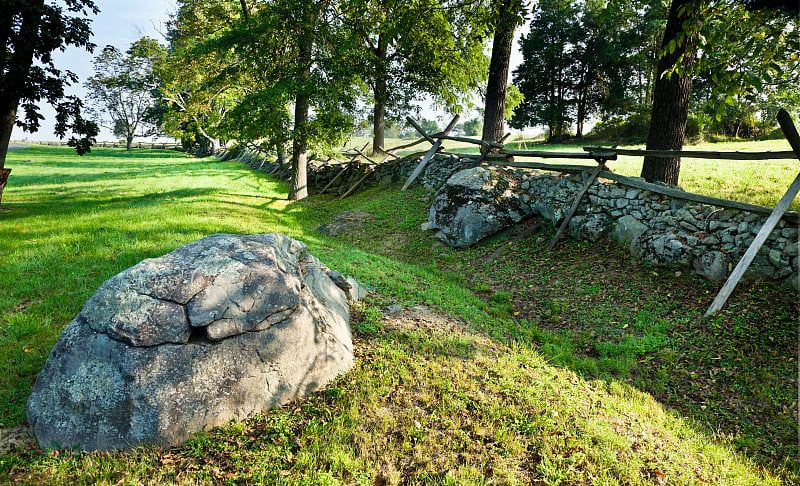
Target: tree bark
[215,145]
[299,182]
[7,118]
[8,115]
[17,70]
[128,142]
[282,160]
[380,94]
[671,96]
[494,111]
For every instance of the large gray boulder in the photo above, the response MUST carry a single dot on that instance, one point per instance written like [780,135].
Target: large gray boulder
[476,203]
[220,329]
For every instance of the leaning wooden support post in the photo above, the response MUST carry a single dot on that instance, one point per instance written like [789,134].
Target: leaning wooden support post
[358,183]
[437,145]
[369,172]
[389,153]
[725,292]
[499,251]
[371,161]
[341,172]
[601,164]
[420,130]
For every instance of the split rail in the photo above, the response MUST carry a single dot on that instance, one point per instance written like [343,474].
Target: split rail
[497,154]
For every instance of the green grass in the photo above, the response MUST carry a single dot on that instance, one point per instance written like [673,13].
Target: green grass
[579,366]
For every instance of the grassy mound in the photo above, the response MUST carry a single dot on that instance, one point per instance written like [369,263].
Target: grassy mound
[579,366]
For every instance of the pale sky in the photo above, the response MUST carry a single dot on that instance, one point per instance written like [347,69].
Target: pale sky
[119,23]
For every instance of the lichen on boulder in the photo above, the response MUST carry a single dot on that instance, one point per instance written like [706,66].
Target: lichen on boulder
[476,203]
[222,328]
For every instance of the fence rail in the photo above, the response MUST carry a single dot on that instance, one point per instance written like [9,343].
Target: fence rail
[696,154]
[134,145]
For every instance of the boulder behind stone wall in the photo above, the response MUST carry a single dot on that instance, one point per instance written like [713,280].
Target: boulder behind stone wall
[219,329]
[476,203]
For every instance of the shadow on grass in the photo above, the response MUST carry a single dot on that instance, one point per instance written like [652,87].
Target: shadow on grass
[578,306]
[33,151]
[597,311]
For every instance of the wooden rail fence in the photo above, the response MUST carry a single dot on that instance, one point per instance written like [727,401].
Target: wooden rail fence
[507,157]
[135,145]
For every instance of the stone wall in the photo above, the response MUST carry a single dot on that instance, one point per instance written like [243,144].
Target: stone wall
[663,230]
[440,167]
[659,229]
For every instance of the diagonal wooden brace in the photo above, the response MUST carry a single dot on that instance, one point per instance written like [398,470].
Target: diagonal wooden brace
[725,292]
[437,145]
[601,164]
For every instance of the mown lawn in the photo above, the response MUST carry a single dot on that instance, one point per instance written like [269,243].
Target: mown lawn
[580,366]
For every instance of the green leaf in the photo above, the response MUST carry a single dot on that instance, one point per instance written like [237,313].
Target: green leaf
[672,46]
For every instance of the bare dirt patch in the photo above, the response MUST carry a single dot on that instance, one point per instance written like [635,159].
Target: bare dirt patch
[16,439]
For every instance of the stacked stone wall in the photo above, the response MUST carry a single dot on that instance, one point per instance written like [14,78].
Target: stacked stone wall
[663,230]
[659,229]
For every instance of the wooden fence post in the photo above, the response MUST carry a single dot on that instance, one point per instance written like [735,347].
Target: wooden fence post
[341,172]
[601,164]
[792,136]
[437,145]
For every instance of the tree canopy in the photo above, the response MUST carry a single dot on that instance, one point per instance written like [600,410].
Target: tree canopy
[581,59]
[30,31]
[287,72]
[737,45]
[124,87]
[413,48]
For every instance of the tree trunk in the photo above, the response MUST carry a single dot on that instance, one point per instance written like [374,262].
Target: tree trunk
[15,72]
[281,156]
[380,94]
[671,96]
[299,182]
[8,116]
[215,145]
[128,142]
[495,109]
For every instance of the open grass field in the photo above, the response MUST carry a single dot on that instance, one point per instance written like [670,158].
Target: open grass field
[580,366]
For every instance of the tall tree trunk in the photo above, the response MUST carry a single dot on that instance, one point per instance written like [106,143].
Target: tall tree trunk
[214,142]
[16,72]
[671,96]
[8,115]
[215,145]
[282,160]
[380,94]
[128,142]
[495,109]
[299,182]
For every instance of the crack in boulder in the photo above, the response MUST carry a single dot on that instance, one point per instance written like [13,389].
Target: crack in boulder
[218,329]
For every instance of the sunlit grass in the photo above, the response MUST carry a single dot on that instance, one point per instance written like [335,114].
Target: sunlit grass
[503,400]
